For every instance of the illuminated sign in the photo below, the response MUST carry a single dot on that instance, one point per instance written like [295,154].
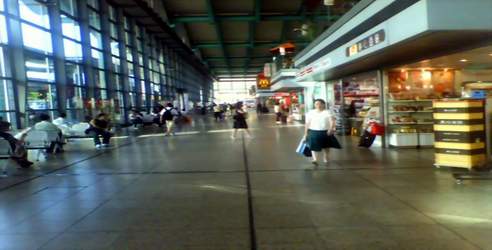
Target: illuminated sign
[366,43]
[263,82]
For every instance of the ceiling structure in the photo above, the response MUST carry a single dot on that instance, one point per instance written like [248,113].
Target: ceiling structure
[234,37]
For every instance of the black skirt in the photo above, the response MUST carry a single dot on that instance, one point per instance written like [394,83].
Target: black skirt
[319,139]
[240,121]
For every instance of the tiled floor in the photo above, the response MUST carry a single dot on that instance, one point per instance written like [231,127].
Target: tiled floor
[191,192]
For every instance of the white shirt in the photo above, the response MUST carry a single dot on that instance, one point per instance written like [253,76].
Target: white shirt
[276,108]
[60,121]
[46,126]
[320,120]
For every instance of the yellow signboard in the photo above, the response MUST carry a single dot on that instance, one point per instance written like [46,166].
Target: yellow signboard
[263,82]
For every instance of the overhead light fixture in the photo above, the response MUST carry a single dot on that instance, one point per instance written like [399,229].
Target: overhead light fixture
[329,2]
[464,60]
[490,54]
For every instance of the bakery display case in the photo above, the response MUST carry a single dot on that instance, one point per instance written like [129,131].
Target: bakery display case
[409,105]
[410,123]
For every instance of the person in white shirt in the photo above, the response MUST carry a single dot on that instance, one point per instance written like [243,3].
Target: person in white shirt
[319,131]
[46,125]
[61,120]
[278,113]
[62,123]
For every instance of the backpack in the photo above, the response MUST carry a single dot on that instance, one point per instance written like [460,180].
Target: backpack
[168,115]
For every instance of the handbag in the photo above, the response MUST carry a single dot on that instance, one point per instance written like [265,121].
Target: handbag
[303,149]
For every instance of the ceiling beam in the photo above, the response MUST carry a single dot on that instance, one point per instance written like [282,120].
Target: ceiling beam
[220,58]
[252,32]
[218,30]
[250,18]
[212,45]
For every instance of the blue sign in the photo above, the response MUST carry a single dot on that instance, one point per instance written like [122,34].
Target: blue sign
[478,94]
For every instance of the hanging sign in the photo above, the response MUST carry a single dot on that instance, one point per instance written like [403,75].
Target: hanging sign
[263,82]
[366,43]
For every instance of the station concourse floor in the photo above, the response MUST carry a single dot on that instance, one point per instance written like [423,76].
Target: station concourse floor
[203,190]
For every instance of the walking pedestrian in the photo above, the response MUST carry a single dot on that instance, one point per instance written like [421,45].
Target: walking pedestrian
[240,117]
[167,116]
[319,131]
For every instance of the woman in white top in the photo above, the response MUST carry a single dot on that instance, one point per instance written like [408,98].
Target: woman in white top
[319,131]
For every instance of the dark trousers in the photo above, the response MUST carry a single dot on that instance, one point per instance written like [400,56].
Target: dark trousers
[136,121]
[103,133]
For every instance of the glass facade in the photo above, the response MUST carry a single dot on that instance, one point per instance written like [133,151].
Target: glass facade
[85,57]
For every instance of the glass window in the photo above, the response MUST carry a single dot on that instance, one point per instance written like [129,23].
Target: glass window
[3,29]
[36,38]
[70,28]
[39,67]
[75,97]
[142,87]
[100,79]
[113,30]
[101,94]
[41,96]
[7,101]
[118,83]
[112,13]
[139,45]
[162,68]
[131,83]
[140,59]
[131,70]
[34,12]
[116,64]
[93,3]
[128,39]
[115,48]
[141,73]
[69,7]
[73,50]
[4,69]
[2,8]
[129,54]
[94,19]
[97,58]
[157,78]
[96,39]
[126,23]
[75,74]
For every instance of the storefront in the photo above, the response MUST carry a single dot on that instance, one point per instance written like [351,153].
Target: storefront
[289,93]
[413,87]
[408,63]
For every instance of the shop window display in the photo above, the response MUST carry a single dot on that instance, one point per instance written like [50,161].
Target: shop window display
[409,108]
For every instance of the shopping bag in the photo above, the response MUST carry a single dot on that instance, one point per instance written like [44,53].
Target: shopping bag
[376,128]
[303,149]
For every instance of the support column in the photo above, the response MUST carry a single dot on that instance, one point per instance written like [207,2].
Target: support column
[17,64]
[58,56]
[86,54]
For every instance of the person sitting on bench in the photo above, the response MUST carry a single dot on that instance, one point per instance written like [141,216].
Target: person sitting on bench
[46,125]
[136,118]
[100,126]
[17,146]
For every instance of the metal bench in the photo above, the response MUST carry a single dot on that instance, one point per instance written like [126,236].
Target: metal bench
[77,131]
[5,155]
[41,141]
